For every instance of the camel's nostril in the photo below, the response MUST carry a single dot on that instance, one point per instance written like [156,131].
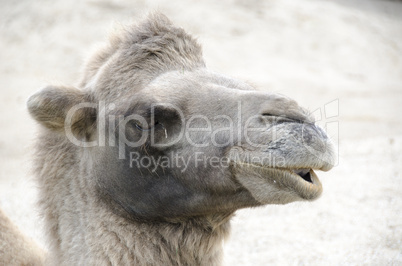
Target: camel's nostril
[267,114]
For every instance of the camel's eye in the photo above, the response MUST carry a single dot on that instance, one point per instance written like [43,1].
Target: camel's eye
[141,128]
[158,121]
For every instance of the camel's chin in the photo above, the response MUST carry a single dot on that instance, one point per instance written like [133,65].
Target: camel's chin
[279,185]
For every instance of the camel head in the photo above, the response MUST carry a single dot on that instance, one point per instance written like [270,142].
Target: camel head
[160,137]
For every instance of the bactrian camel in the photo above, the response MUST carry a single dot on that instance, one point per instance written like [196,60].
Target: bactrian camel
[146,160]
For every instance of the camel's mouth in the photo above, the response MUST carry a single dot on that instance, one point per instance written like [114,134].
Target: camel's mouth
[307,183]
[304,173]
[298,183]
[303,181]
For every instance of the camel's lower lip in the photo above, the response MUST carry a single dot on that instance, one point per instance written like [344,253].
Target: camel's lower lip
[302,181]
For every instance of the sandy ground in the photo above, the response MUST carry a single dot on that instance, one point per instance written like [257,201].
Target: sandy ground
[342,59]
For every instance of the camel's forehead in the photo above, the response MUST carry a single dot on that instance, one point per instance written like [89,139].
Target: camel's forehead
[201,85]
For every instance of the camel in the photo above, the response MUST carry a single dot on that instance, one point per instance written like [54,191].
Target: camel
[146,160]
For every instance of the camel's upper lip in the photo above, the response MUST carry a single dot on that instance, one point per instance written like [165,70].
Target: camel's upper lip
[303,181]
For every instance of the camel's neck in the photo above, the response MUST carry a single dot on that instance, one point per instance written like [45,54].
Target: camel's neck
[83,231]
[186,243]
[101,237]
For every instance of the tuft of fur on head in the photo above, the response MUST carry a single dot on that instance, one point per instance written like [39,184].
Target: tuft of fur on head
[154,46]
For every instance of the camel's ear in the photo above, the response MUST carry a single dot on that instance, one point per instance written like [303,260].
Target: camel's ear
[57,107]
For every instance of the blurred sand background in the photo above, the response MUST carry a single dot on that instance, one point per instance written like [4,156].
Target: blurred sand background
[343,55]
